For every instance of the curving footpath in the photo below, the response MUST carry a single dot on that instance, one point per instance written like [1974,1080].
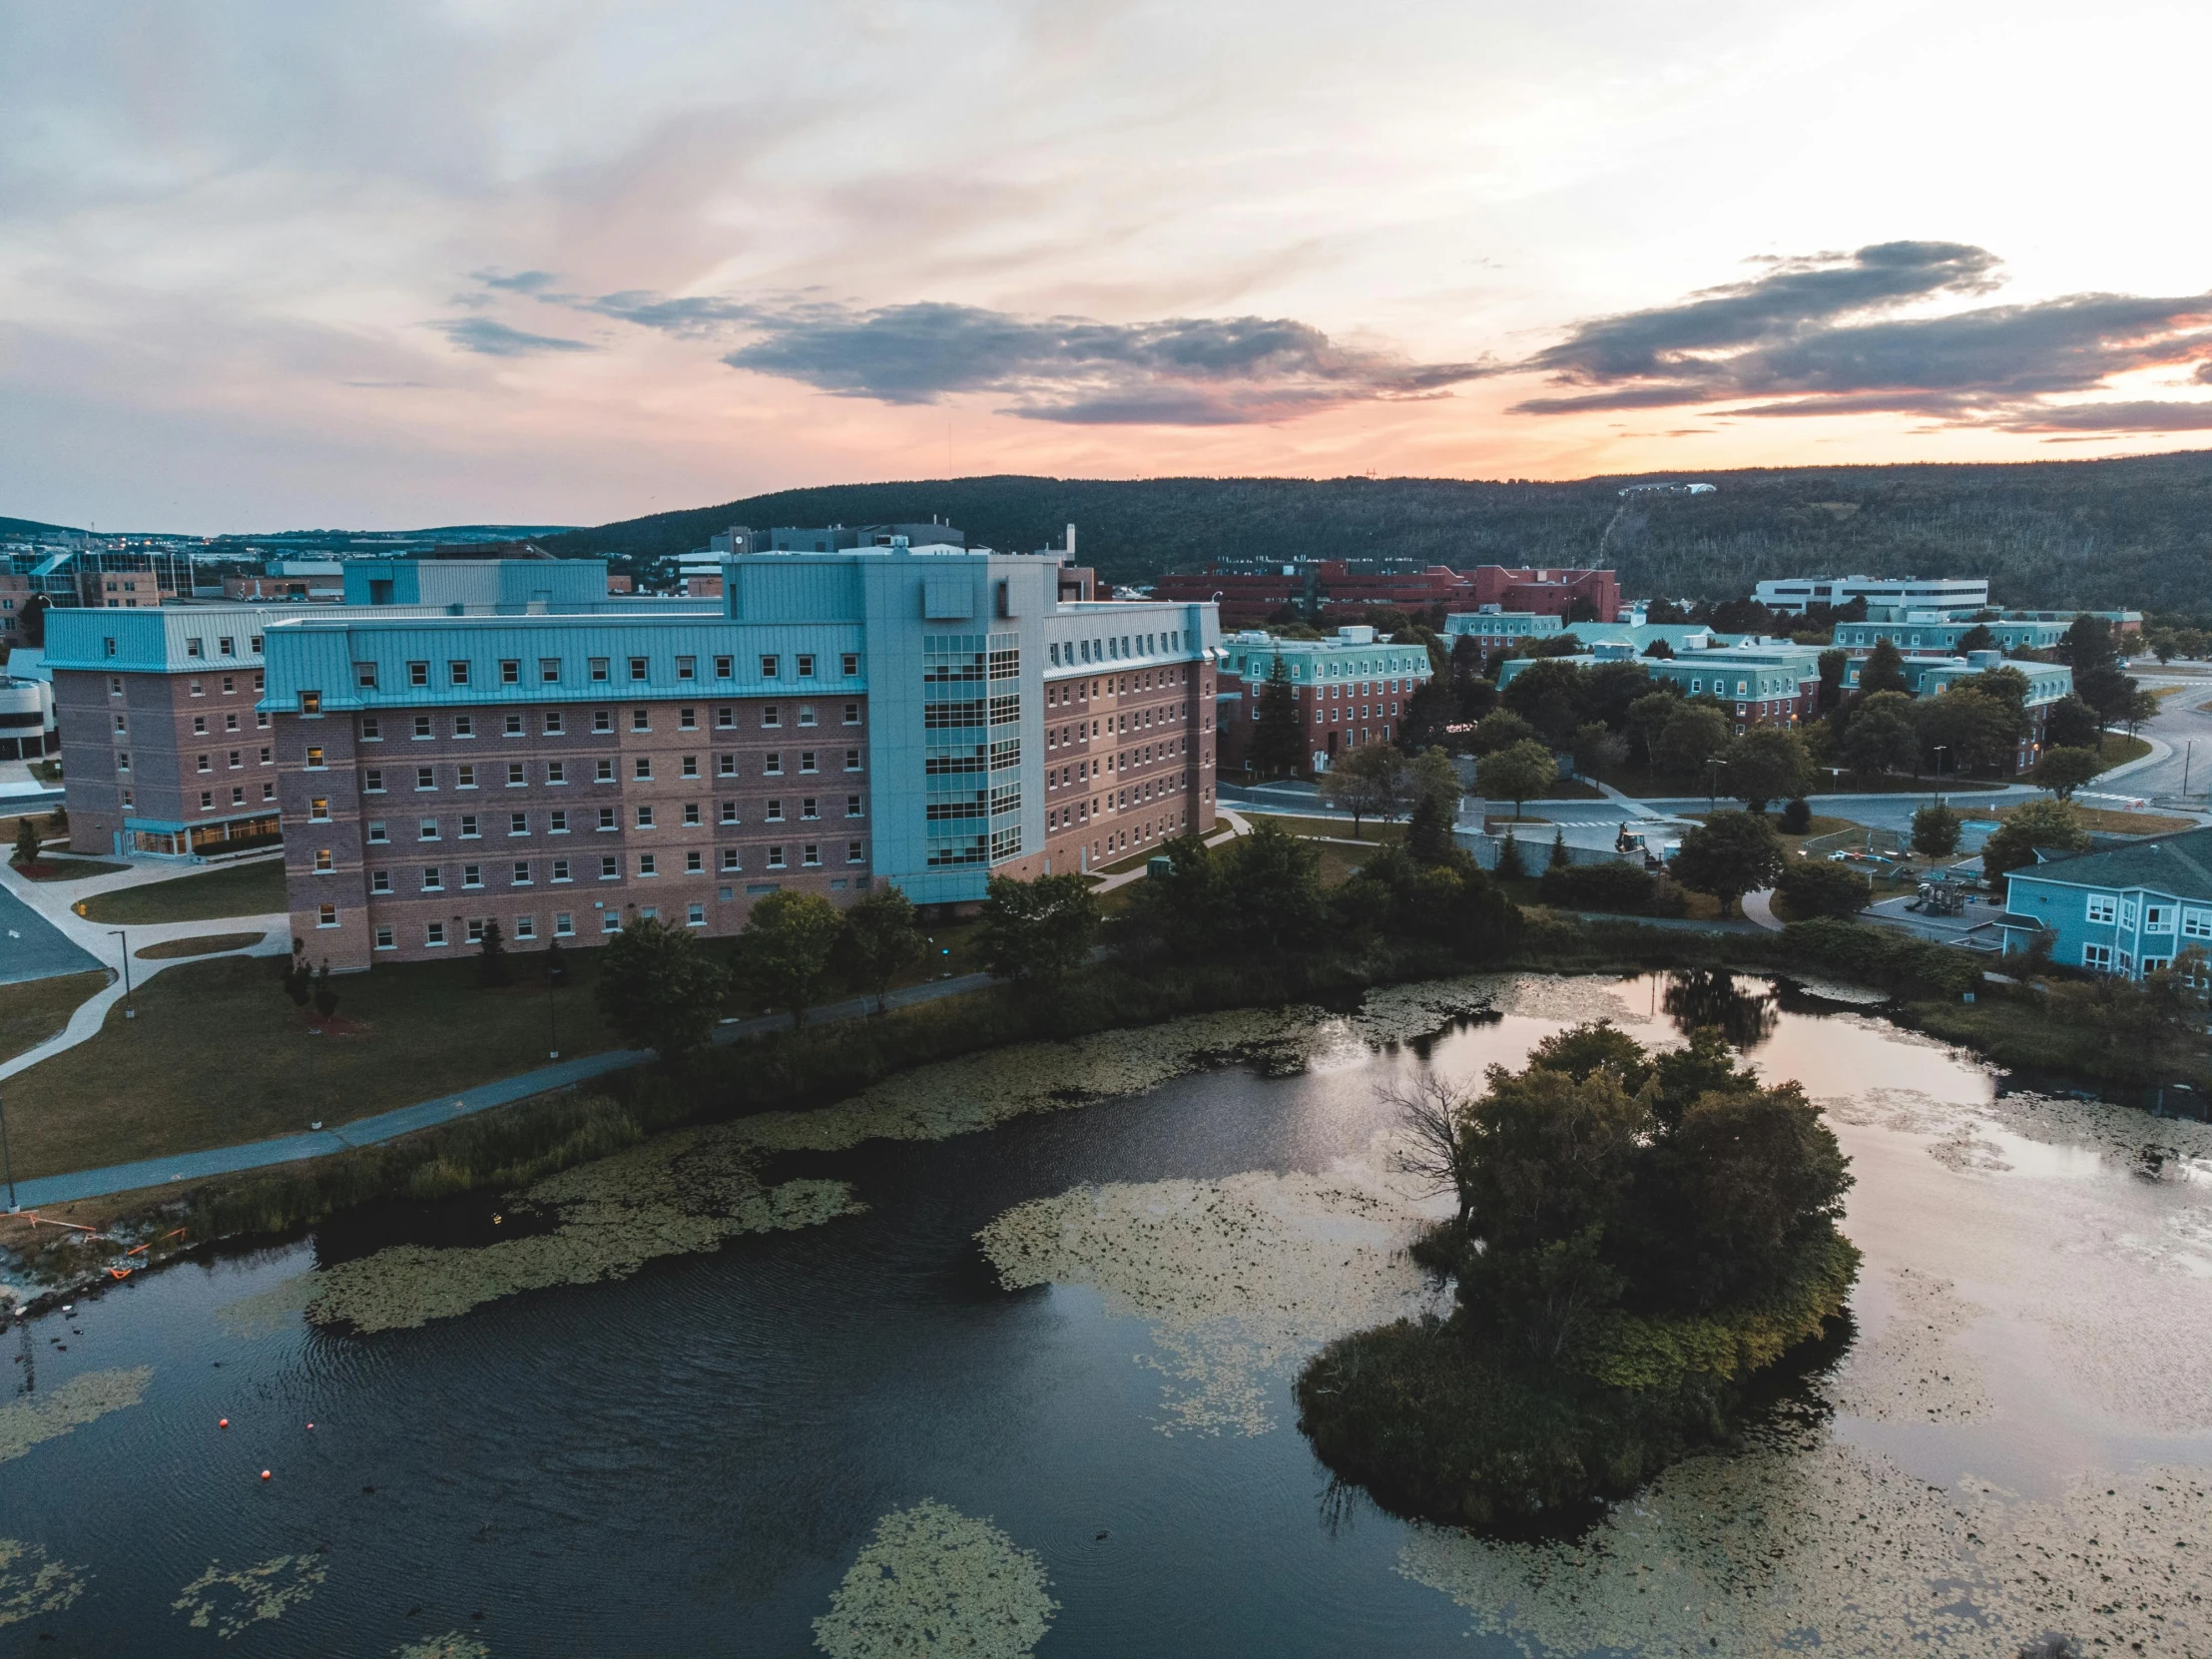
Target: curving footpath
[403,1120]
[52,902]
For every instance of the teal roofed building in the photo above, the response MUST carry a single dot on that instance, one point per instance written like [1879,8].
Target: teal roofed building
[2127,912]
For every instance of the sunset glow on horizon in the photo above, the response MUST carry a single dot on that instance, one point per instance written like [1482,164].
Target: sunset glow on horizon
[396,266]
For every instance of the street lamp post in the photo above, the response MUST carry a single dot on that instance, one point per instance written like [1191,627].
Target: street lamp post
[7,1158]
[128,1012]
[1714,765]
[1941,750]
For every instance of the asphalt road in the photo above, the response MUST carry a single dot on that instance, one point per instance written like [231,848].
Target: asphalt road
[2181,724]
[31,947]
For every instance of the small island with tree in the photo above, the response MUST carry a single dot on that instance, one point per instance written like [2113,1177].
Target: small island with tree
[1640,1241]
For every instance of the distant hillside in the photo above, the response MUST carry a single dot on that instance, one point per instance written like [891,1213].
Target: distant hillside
[31,527]
[2107,533]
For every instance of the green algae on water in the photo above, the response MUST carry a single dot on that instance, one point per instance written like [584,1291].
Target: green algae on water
[454,1644]
[679,1194]
[234,1602]
[934,1581]
[1239,1278]
[39,1417]
[34,1584]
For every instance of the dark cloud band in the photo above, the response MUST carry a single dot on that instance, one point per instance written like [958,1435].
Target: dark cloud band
[1813,337]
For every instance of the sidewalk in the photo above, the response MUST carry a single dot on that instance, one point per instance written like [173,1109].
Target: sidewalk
[405,1120]
[51,902]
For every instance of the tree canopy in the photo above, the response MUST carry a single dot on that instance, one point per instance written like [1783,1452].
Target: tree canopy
[659,988]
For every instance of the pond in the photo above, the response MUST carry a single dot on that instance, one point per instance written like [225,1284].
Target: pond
[820,1414]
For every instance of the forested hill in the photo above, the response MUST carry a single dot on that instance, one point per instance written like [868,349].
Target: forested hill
[2101,533]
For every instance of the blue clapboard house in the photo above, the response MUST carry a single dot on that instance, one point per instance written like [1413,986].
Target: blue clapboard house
[2129,910]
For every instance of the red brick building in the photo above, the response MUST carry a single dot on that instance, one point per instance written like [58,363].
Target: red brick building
[1250,593]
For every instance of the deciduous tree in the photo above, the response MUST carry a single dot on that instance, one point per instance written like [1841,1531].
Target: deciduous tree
[878,941]
[1768,763]
[659,988]
[2063,770]
[1935,831]
[1728,855]
[1038,931]
[1370,780]
[1516,773]
[2047,823]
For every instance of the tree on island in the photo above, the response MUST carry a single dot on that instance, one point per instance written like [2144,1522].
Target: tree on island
[1278,735]
[659,989]
[1636,1238]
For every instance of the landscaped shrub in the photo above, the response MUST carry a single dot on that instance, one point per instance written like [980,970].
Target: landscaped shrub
[1620,887]
[1811,890]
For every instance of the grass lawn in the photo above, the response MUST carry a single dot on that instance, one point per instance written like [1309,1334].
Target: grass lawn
[2108,823]
[253,889]
[2119,749]
[216,1054]
[1336,828]
[50,869]
[38,1008]
[206,944]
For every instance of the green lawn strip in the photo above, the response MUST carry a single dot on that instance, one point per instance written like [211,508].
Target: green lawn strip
[64,869]
[217,1055]
[1338,828]
[253,889]
[204,944]
[37,1009]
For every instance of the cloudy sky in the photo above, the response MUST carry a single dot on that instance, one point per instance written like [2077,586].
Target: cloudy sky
[267,265]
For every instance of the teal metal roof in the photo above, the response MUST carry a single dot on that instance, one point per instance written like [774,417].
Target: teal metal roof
[2179,864]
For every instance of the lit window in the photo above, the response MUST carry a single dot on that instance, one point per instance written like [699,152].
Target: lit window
[326,915]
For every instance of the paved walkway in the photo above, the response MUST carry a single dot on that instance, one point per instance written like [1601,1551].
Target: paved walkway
[1759,911]
[71,944]
[405,1120]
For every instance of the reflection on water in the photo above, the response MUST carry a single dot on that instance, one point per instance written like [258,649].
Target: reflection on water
[1746,1010]
[700,1458]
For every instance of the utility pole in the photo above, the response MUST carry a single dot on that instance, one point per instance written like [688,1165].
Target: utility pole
[7,1158]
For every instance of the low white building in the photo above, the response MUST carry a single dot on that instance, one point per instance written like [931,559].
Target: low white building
[1946,594]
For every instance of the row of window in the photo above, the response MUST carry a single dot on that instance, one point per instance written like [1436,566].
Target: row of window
[554,722]
[645,816]
[204,762]
[559,871]
[465,774]
[2157,916]
[197,687]
[1077,691]
[237,797]
[1136,720]
[195,647]
[1070,653]
[509,671]
[1119,762]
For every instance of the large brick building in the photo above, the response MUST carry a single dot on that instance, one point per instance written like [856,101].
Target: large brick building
[1349,691]
[166,749]
[929,717]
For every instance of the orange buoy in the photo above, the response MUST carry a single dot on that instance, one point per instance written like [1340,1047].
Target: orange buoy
[222,1423]
[265,1474]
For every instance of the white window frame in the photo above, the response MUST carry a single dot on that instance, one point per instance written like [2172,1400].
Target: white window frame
[2103,909]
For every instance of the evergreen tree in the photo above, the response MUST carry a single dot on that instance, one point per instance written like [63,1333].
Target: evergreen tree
[1559,857]
[1278,736]
[492,966]
[26,843]
[1884,668]
[1509,865]
[325,999]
